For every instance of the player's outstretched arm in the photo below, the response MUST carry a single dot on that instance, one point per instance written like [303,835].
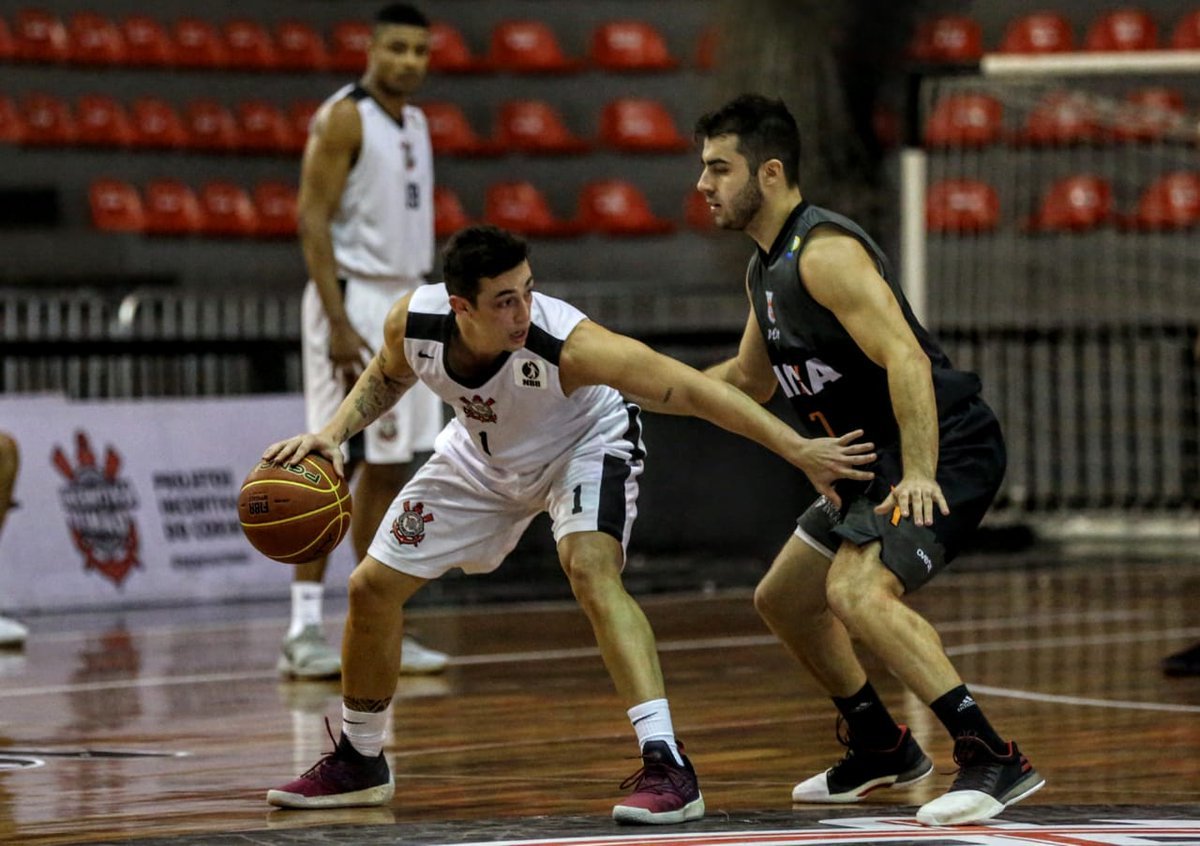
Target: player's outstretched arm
[592,355]
[380,386]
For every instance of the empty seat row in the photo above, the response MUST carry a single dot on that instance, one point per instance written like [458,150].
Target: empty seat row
[959,38]
[1076,203]
[518,46]
[535,127]
[1060,117]
[204,124]
[218,209]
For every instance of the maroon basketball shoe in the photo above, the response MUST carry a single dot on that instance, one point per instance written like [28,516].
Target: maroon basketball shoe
[663,792]
[342,779]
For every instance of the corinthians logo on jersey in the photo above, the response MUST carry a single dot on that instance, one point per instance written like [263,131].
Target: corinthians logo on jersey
[817,374]
[477,408]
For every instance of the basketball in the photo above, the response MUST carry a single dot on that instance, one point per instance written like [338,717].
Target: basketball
[294,513]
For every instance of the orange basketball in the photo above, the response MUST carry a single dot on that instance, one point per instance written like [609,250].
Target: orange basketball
[297,512]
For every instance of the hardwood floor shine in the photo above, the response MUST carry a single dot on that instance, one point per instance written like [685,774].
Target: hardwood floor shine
[162,727]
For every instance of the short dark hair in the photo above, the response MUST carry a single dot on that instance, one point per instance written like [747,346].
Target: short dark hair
[765,130]
[404,14]
[479,252]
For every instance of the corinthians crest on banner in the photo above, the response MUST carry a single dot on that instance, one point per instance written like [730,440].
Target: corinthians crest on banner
[99,505]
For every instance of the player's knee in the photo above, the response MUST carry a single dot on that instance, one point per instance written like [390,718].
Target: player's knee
[594,576]
[770,602]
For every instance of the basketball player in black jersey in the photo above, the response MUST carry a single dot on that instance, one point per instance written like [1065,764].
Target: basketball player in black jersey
[829,325]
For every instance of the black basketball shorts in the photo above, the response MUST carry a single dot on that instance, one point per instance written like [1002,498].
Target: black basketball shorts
[971,462]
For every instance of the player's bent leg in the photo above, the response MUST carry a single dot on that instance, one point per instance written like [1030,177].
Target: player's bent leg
[791,599]
[371,655]
[664,791]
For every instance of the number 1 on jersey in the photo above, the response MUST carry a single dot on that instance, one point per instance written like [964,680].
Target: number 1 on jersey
[483,441]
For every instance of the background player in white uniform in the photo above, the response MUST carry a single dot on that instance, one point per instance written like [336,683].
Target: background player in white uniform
[538,427]
[366,229]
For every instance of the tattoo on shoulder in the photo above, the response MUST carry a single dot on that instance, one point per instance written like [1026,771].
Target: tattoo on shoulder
[367,706]
[667,396]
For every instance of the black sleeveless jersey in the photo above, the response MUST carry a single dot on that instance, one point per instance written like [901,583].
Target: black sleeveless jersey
[833,385]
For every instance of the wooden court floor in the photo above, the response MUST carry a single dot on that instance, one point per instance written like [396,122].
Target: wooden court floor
[171,726]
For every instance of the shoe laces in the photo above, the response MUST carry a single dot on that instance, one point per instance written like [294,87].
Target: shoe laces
[657,776]
[841,730]
[978,765]
[328,756]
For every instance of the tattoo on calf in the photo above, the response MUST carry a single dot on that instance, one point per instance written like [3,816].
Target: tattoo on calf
[367,706]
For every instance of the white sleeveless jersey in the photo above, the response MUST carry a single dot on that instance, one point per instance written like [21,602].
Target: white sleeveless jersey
[514,419]
[384,225]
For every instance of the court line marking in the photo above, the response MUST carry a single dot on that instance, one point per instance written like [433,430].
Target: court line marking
[1061,699]
[664,647]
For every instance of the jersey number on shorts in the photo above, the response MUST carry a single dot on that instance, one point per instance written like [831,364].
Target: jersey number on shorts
[412,196]
[578,506]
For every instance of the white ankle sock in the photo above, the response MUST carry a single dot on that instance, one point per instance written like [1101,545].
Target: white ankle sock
[306,606]
[365,730]
[652,721]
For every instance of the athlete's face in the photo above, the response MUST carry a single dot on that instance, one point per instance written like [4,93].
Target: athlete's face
[732,191]
[499,320]
[398,58]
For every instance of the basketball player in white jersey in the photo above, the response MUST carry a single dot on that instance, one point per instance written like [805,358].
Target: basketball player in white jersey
[539,425]
[366,229]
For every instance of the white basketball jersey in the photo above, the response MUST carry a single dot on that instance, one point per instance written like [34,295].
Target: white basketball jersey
[384,225]
[516,418]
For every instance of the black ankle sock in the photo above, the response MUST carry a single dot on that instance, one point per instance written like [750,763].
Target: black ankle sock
[871,726]
[961,715]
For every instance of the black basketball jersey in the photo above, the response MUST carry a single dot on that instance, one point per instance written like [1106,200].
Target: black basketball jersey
[830,381]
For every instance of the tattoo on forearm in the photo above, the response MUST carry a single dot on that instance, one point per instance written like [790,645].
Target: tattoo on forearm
[367,706]
[667,396]
[377,397]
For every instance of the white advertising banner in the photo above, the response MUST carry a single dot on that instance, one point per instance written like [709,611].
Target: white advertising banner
[134,502]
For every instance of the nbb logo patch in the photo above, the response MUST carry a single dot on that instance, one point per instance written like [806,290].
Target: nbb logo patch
[98,505]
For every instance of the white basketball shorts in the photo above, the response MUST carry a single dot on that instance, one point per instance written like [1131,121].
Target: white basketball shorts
[413,423]
[453,513]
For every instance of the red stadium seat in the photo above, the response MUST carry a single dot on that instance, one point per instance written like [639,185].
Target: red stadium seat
[617,207]
[1074,204]
[528,47]
[103,122]
[172,208]
[95,40]
[947,39]
[228,211]
[156,125]
[264,128]
[961,206]
[535,127]
[211,127]
[450,53]
[12,124]
[300,116]
[1171,202]
[299,47]
[1186,35]
[630,46]
[116,206]
[965,120]
[1041,32]
[521,208]
[448,213]
[48,120]
[696,213]
[248,46]
[708,48]
[348,44]
[640,126]
[1149,114]
[1062,118]
[276,205]
[1122,29]
[147,42]
[8,47]
[198,44]
[452,134]
[39,36]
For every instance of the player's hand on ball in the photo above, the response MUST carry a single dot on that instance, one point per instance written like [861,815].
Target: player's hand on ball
[295,448]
